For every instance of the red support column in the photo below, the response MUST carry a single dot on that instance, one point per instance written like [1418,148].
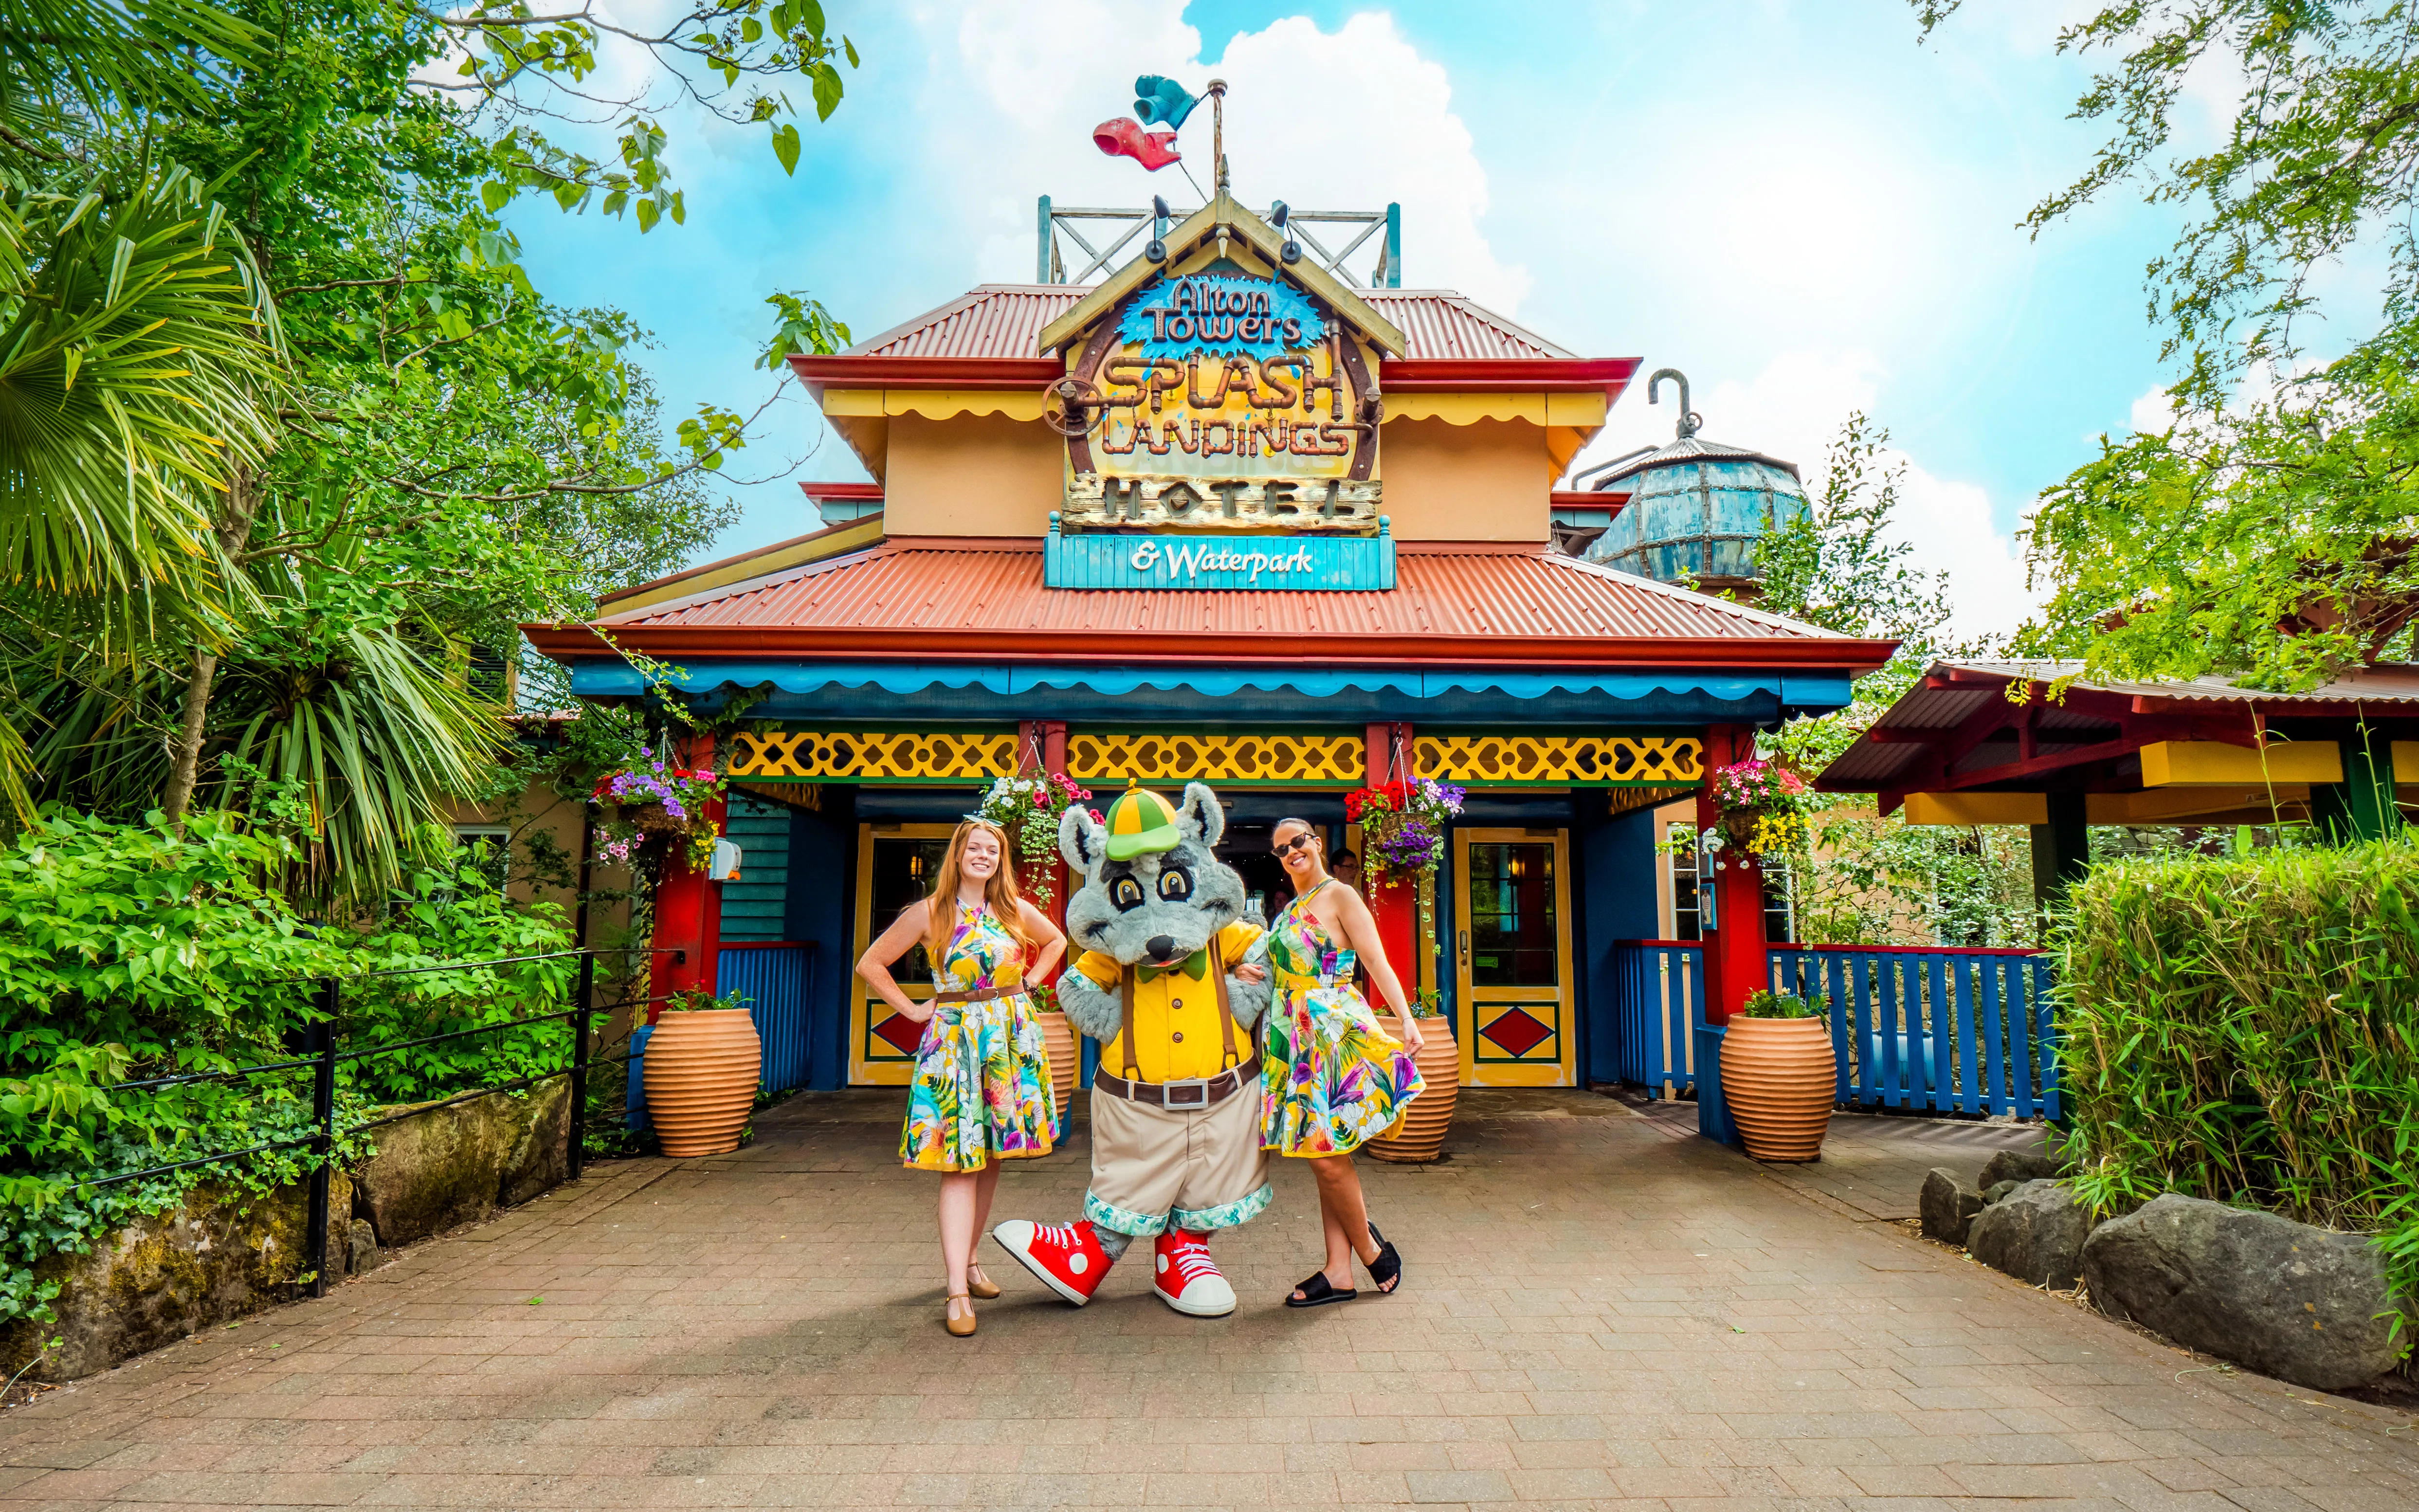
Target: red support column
[688,910]
[1734,947]
[1395,906]
[1048,737]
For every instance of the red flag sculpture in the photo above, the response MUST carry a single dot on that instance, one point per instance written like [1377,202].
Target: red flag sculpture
[1125,138]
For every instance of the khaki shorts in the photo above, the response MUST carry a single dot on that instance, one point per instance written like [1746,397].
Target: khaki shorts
[1195,1169]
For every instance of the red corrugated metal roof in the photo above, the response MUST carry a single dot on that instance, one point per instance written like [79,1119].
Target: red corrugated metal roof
[1006,319]
[1464,604]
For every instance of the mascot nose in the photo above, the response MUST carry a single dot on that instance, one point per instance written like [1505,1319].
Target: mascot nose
[1161,947]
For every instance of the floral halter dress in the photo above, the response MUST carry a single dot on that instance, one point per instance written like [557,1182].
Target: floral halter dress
[982,1073]
[1330,1078]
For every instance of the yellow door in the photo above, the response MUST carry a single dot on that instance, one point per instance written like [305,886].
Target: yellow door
[895,864]
[1512,957]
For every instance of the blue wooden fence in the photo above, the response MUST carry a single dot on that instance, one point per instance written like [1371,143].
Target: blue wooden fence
[1951,1030]
[777,981]
[1662,1000]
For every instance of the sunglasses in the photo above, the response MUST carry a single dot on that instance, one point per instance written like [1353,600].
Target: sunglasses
[1286,846]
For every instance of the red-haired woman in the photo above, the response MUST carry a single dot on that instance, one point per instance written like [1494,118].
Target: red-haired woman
[982,1092]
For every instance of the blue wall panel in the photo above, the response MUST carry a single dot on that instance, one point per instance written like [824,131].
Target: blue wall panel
[1617,865]
[822,907]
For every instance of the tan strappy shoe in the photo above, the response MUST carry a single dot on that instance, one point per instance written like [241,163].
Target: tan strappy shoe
[962,1327]
[979,1285]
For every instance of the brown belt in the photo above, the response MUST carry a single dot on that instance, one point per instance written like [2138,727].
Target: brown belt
[1192,1093]
[983,994]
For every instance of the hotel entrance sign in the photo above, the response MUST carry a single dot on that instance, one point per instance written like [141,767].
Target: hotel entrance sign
[1233,562]
[1220,402]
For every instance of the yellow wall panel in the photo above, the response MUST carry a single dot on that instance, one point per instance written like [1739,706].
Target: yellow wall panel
[2200,763]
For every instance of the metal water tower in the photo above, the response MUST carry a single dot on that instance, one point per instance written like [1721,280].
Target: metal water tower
[1695,507]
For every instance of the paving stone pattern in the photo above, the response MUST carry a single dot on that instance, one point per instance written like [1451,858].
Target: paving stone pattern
[1600,1310]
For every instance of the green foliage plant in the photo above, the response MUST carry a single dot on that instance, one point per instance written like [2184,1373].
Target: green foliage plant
[2246,1030]
[1764,1003]
[134,951]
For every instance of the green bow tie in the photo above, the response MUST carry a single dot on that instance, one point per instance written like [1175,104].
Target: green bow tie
[1196,967]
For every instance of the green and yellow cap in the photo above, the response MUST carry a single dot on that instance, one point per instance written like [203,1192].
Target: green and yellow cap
[1140,822]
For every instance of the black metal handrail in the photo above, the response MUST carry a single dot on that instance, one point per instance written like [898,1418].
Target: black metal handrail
[324,1057]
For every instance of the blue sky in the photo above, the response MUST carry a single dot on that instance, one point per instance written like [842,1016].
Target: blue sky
[1791,200]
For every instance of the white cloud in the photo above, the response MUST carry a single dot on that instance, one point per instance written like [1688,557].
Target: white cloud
[1793,410]
[1348,119]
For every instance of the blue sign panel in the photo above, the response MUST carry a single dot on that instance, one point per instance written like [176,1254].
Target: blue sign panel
[1241,563]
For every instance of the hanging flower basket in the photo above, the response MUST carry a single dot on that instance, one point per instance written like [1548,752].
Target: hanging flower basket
[1761,808]
[650,798]
[1026,809]
[1402,834]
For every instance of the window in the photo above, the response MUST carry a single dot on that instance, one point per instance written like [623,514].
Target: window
[486,849]
[1687,923]
[1688,917]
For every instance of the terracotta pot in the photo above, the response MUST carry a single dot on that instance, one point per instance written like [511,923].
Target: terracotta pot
[1059,1037]
[1779,1078]
[701,1072]
[1419,1134]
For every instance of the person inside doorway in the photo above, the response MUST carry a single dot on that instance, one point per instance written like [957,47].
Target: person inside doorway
[981,1091]
[1330,1077]
[1347,869]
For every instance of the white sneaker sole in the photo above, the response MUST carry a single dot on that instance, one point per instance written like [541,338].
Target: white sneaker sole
[1206,1307]
[1016,1249]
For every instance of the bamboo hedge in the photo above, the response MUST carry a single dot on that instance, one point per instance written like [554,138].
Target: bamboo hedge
[2247,1029]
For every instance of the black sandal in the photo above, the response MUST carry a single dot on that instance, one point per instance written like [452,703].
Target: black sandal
[1387,1268]
[1318,1291]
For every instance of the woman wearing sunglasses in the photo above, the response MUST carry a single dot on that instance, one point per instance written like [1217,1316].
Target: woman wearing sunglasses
[1330,1078]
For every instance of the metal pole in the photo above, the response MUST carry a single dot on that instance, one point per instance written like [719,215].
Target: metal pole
[1041,255]
[587,991]
[323,1109]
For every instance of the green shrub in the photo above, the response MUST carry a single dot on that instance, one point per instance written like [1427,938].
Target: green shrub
[129,953]
[2247,1029]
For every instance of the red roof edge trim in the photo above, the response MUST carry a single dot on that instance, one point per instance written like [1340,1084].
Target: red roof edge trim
[1613,498]
[1475,375]
[859,492]
[927,372]
[717,565]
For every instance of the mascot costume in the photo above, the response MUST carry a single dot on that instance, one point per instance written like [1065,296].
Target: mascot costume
[1159,922]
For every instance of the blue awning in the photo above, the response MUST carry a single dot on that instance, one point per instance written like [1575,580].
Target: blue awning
[963,690]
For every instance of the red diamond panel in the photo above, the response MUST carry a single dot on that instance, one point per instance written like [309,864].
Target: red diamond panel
[901,1033]
[1518,1031]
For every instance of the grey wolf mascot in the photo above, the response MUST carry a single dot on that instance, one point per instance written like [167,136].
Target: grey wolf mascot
[1159,925]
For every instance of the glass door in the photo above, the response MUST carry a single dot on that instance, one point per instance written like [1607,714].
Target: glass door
[1512,956]
[895,866]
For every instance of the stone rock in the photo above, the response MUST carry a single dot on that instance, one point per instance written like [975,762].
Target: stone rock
[222,1254]
[2018,1165]
[2286,1300]
[1998,1191]
[1946,1206]
[365,1256]
[455,1166]
[2035,1233]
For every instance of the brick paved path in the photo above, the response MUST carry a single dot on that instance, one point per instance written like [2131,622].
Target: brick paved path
[1597,1312]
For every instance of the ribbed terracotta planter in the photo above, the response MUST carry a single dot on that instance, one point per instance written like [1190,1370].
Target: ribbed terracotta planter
[1058,1037]
[1419,1134]
[701,1070]
[1779,1079]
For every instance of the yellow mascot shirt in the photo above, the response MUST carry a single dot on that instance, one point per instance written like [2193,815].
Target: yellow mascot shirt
[1176,1012]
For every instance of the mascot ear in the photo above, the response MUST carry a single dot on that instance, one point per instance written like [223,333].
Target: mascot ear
[1201,816]
[1082,844]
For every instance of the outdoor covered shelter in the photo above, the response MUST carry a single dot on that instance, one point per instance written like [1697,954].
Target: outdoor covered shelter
[2035,743]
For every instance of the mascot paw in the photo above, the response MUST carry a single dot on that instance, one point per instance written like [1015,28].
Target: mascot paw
[1067,1257]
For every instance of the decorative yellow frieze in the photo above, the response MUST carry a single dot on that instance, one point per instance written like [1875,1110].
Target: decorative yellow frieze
[874,756]
[1295,758]
[1573,761]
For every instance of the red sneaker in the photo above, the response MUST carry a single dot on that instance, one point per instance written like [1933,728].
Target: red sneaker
[1067,1257]
[1187,1279]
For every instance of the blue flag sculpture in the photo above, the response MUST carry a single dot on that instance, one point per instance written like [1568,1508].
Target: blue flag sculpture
[1162,101]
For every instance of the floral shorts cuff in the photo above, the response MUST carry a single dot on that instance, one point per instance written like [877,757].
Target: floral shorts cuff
[1225,1214]
[1108,1215]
